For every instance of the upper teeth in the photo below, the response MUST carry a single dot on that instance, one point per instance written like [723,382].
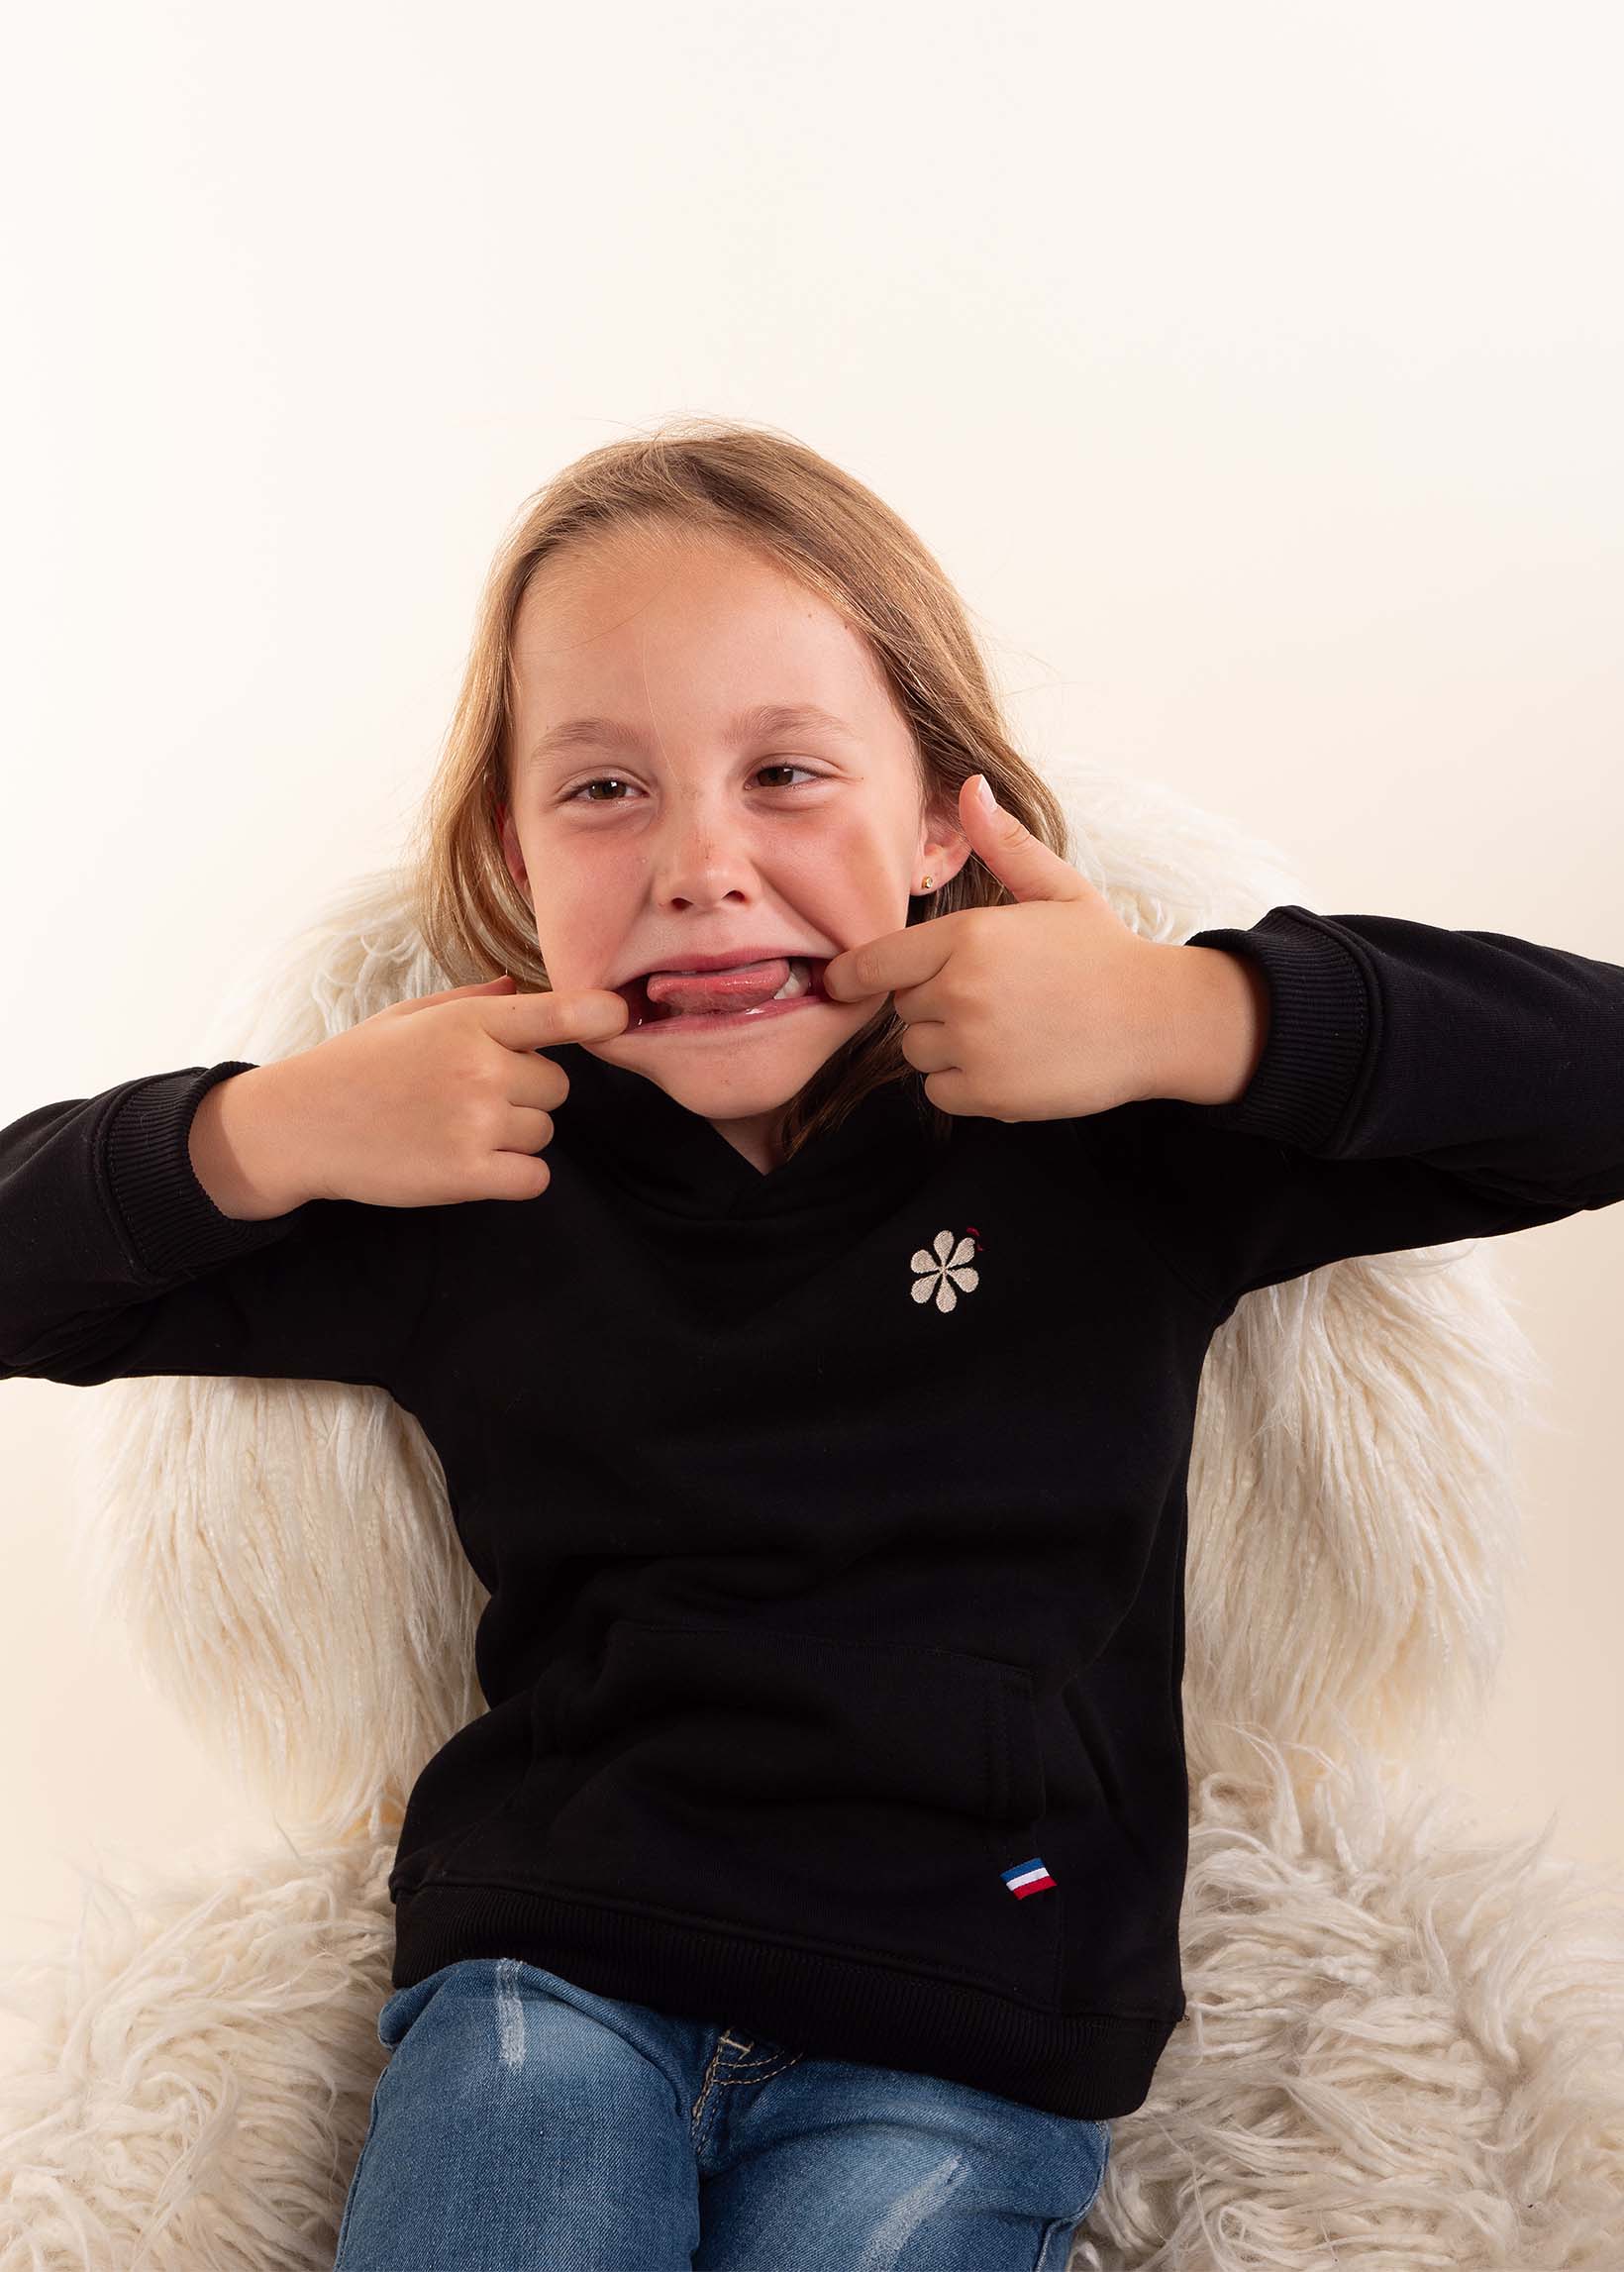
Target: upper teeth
[795,961]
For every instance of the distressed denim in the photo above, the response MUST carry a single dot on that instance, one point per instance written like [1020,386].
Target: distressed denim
[524,2124]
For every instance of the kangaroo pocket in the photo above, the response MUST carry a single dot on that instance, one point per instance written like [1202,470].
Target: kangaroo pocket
[865,1796]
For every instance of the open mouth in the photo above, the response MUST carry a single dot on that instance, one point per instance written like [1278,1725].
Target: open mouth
[802,986]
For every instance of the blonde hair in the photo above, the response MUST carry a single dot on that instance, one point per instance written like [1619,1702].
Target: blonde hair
[819,526]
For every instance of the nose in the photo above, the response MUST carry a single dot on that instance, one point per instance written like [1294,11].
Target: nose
[704,846]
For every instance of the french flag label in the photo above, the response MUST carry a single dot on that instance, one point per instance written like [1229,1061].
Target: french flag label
[1027,1878]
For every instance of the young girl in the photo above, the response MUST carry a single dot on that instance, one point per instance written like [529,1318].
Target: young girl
[817,1410]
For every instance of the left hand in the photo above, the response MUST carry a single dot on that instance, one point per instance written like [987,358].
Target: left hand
[1046,1011]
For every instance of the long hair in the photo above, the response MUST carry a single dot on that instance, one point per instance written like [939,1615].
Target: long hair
[835,538]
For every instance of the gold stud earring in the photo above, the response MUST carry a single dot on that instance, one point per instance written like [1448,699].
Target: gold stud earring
[925,886]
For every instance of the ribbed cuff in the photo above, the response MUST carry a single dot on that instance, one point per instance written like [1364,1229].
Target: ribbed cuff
[174,1228]
[1319,1028]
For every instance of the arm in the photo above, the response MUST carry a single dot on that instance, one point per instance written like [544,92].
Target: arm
[234,1149]
[1361,1084]
[116,1259]
[1218,1023]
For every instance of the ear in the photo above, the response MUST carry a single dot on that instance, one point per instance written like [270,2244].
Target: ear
[943,850]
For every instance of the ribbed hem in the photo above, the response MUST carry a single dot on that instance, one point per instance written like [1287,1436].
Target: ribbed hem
[1089,2065]
[1321,1011]
[173,1227]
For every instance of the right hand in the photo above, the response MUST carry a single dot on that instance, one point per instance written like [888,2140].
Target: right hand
[435,1101]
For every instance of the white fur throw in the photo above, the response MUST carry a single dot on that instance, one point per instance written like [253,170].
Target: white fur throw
[1405,2049]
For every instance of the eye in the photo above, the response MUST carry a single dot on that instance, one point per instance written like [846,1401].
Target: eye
[576,796]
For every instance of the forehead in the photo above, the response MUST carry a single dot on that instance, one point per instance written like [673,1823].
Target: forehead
[679,624]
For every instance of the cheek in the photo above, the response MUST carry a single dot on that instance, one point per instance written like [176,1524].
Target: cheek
[583,902]
[856,868]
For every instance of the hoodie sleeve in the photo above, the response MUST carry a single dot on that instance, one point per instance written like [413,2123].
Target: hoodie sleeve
[115,1262]
[1416,1085]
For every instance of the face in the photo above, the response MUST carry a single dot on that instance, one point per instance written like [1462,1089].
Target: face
[670,837]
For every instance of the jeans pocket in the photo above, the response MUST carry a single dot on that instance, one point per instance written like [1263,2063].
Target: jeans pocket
[406,2007]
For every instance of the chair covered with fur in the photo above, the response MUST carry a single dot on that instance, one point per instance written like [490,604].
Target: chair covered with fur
[1403,2047]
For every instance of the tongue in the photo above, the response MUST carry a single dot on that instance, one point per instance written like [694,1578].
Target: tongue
[741,989]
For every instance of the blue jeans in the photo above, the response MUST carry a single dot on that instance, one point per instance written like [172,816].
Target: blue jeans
[524,2124]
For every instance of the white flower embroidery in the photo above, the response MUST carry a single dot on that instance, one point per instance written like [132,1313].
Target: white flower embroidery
[944,1269]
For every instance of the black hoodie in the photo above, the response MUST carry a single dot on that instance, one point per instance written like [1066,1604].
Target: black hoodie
[833,1517]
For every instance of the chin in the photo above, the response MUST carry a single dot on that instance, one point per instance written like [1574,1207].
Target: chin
[723,1077]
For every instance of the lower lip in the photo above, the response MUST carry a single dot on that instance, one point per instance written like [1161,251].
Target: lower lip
[724,1021]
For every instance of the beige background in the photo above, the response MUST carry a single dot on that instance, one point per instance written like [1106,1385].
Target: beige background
[1254,371]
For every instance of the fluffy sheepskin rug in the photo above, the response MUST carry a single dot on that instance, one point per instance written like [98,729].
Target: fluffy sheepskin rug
[1404,2047]
[1402,2054]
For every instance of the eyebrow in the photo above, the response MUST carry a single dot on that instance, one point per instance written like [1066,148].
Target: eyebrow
[754,724]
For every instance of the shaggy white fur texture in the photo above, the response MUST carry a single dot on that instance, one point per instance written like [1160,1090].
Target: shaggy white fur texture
[1404,2049]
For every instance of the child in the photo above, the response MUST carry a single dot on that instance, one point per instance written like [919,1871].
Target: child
[809,1893]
